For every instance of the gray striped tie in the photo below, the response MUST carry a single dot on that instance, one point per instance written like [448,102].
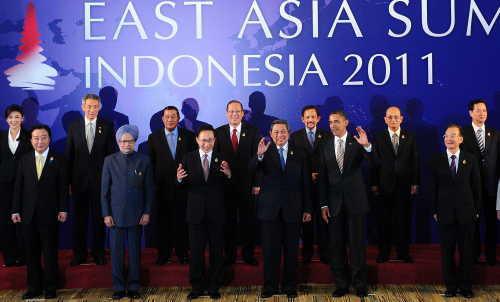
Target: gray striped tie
[480,140]
[395,144]
[340,155]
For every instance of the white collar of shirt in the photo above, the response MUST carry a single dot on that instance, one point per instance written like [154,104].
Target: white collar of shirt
[238,131]
[44,156]
[87,125]
[13,142]
[209,157]
[398,132]
[483,127]
[285,150]
[344,137]
[456,158]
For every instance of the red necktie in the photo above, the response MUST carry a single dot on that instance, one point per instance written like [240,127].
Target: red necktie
[234,140]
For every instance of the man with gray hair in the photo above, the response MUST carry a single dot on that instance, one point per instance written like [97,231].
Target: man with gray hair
[90,139]
[127,196]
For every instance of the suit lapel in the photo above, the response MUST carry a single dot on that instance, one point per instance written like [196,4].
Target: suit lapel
[32,164]
[47,165]
[472,136]
[402,140]
[289,155]
[164,142]
[461,164]
[487,139]
[214,166]
[388,141]
[83,136]
[349,144]
[181,143]
[275,156]
[317,139]
[23,141]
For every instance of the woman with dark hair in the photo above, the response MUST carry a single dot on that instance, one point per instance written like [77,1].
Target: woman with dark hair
[14,142]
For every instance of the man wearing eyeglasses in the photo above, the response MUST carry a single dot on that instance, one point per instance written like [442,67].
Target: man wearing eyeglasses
[394,181]
[166,147]
[239,142]
[455,186]
[484,143]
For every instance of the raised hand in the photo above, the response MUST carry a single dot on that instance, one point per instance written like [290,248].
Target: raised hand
[262,148]
[181,173]
[224,167]
[362,139]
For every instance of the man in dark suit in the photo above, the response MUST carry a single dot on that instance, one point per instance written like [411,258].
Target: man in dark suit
[205,173]
[456,202]
[282,204]
[41,200]
[166,147]
[127,197]
[484,142]
[310,138]
[90,139]
[394,181]
[343,201]
[239,142]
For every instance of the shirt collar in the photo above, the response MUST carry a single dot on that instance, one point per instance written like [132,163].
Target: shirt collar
[450,154]
[285,147]
[313,131]
[93,122]
[17,136]
[398,132]
[476,128]
[238,129]
[344,137]
[203,153]
[175,132]
[44,154]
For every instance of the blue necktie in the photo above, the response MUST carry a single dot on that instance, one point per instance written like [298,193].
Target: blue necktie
[171,144]
[282,159]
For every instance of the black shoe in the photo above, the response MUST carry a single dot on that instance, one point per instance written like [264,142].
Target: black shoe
[184,260]
[161,261]
[214,295]
[406,259]
[267,294]
[77,261]
[118,295]
[251,261]
[450,293]
[362,292]
[291,293]
[100,261]
[381,259]
[229,260]
[305,261]
[10,264]
[194,295]
[31,294]
[493,263]
[325,260]
[467,294]
[50,295]
[20,263]
[134,294]
[340,292]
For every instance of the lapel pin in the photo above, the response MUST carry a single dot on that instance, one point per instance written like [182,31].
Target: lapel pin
[464,161]
[489,134]
[100,129]
[243,134]
[402,136]
[140,173]
[179,138]
[216,160]
[291,152]
[350,143]
[51,159]
[319,135]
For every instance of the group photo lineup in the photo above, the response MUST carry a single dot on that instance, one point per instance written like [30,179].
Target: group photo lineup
[249,150]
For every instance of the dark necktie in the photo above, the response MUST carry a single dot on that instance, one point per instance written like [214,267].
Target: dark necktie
[480,140]
[395,144]
[311,141]
[171,144]
[234,140]
[282,159]
[453,167]
[206,167]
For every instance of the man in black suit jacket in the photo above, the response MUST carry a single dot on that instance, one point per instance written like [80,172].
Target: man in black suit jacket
[41,200]
[166,147]
[283,203]
[486,147]
[343,201]
[90,139]
[239,142]
[310,138]
[456,202]
[205,173]
[394,181]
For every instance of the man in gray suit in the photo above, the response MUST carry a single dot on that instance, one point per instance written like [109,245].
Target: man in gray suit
[127,196]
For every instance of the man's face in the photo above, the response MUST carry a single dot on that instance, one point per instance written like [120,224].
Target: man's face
[91,109]
[206,140]
[127,143]
[479,114]
[393,118]
[170,119]
[453,139]
[279,134]
[40,140]
[234,114]
[338,125]
[310,118]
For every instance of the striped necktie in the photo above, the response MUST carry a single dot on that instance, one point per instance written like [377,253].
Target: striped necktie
[340,155]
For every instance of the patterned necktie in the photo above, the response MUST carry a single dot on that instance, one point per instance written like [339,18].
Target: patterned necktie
[311,141]
[39,166]
[90,137]
[282,159]
[234,140]
[206,167]
[340,155]
[480,140]
[171,144]
[453,167]
[395,144]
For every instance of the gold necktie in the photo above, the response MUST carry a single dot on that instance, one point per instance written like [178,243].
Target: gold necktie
[39,166]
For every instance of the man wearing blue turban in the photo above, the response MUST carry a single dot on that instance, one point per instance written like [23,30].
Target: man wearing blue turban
[127,196]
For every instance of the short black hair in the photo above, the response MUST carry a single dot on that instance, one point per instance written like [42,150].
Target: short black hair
[340,112]
[13,108]
[308,107]
[476,101]
[205,127]
[40,127]
[171,108]
[453,125]
[234,101]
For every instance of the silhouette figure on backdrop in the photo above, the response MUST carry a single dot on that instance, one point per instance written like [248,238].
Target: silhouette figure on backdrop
[378,106]
[68,117]
[332,103]
[155,123]
[109,99]
[429,141]
[494,114]
[190,110]
[257,103]
[31,109]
